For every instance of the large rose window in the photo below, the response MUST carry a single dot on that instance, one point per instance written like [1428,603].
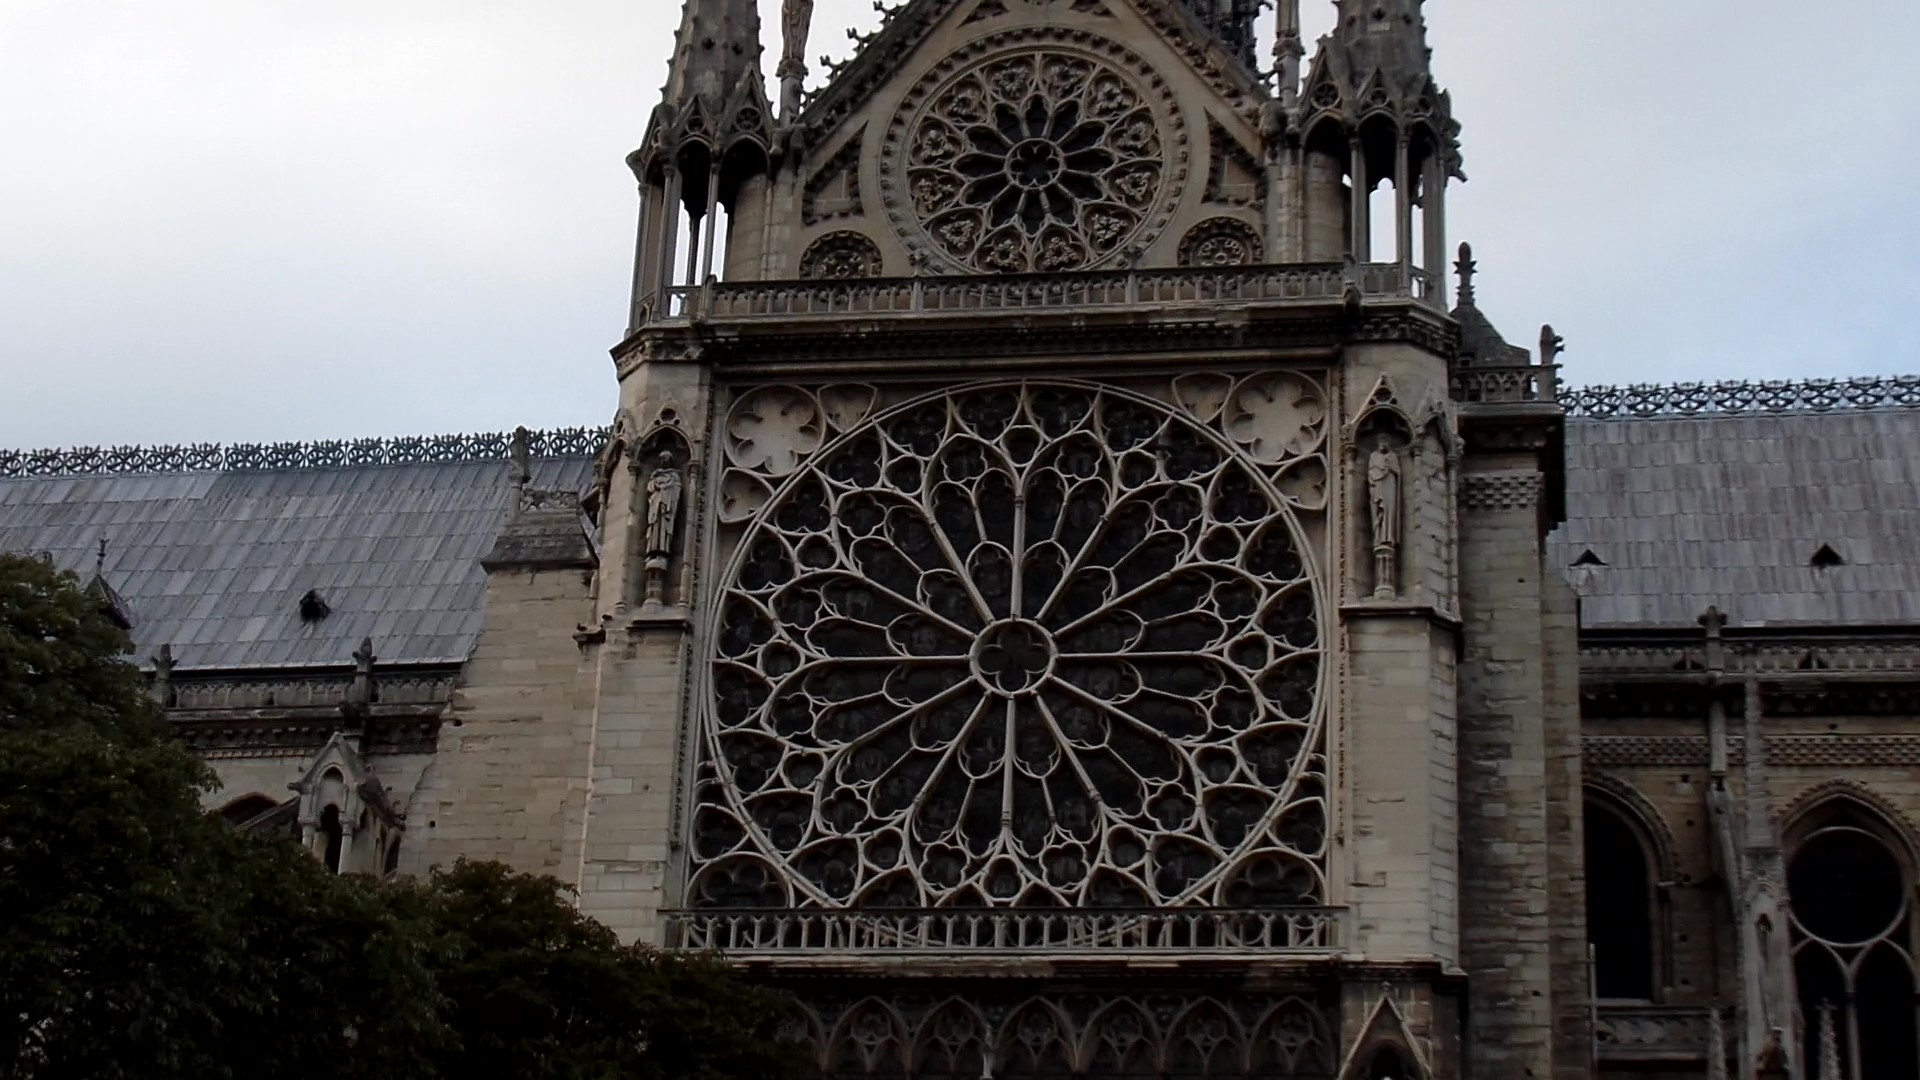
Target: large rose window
[1040,160]
[1034,645]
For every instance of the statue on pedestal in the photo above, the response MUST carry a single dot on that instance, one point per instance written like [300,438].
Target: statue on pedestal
[664,489]
[1383,504]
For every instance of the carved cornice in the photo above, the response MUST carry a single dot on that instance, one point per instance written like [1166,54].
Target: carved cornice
[1512,489]
[1753,651]
[246,694]
[293,734]
[1685,697]
[1786,751]
[1652,1033]
[1743,398]
[240,716]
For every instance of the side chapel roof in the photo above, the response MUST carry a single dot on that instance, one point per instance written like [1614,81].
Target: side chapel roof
[217,561]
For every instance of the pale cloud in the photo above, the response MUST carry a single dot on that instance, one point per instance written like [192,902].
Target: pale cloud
[259,219]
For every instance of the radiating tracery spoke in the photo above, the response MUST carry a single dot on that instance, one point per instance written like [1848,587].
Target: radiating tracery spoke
[1047,645]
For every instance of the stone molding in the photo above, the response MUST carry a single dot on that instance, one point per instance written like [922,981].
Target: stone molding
[1783,751]
[1652,1033]
[1515,489]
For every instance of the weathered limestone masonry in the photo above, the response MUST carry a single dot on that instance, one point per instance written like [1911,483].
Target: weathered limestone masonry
[651,484]
[1513,766]
[1399,740]
[509,780]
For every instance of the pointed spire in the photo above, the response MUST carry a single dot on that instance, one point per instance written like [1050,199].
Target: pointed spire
[1289,50]
[718,43]
[1385,36]
[1466,268]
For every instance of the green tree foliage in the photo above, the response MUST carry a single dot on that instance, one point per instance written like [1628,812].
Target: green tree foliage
[140,937]
[535,989]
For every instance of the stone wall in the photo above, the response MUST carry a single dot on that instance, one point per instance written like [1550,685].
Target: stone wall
[509,779]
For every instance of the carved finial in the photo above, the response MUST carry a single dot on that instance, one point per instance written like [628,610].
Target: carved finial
[1466,268]
[1714,620]
[1551,345]
[100,559]
[360,694]
[521,452]
[163,675]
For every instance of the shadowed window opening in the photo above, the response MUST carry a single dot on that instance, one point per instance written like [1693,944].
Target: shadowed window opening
[1619,907]
[330,829]
[1853,936]
[1827,558]
[1389,1065]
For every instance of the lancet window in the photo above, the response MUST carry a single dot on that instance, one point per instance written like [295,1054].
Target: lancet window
[1621,917]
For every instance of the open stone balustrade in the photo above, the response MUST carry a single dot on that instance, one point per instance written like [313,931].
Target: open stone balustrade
[1256,285]
[785,932]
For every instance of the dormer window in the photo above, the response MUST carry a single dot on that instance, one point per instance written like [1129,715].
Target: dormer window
[346,818]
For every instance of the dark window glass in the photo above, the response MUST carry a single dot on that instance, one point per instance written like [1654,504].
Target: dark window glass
[1619,907]
[330,828]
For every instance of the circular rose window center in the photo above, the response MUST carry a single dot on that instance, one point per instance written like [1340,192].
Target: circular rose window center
[1013,657]
[1034,164]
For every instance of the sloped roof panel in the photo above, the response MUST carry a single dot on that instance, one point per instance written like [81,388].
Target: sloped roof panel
[1728,510]
[215,563]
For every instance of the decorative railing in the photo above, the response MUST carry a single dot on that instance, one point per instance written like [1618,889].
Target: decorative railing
[1808,656]
[306,692]
[260,457]
[1517,384]
[1673,1033]
[786,300]
[975,930]
[1748,398]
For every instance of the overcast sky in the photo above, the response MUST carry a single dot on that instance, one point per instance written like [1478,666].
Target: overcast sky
[251,220]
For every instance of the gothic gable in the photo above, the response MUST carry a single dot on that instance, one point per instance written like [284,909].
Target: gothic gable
[1031,136]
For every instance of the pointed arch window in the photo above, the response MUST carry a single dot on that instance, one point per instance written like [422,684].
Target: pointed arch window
[1388,1064]
[1851,886]
[333,838]
[1622,911]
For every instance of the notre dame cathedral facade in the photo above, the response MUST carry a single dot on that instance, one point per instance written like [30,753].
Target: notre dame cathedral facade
[1075,587]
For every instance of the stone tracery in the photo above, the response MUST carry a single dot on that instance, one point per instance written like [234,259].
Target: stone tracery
[1037,159]
[1017,645]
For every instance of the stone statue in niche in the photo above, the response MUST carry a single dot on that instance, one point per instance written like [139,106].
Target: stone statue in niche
[1383,505]
[664,488]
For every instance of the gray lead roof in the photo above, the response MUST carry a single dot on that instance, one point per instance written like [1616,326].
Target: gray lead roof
[215,563]
[1730,510]
[1725,510]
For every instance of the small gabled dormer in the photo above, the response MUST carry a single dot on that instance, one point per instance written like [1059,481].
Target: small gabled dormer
[346,818]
